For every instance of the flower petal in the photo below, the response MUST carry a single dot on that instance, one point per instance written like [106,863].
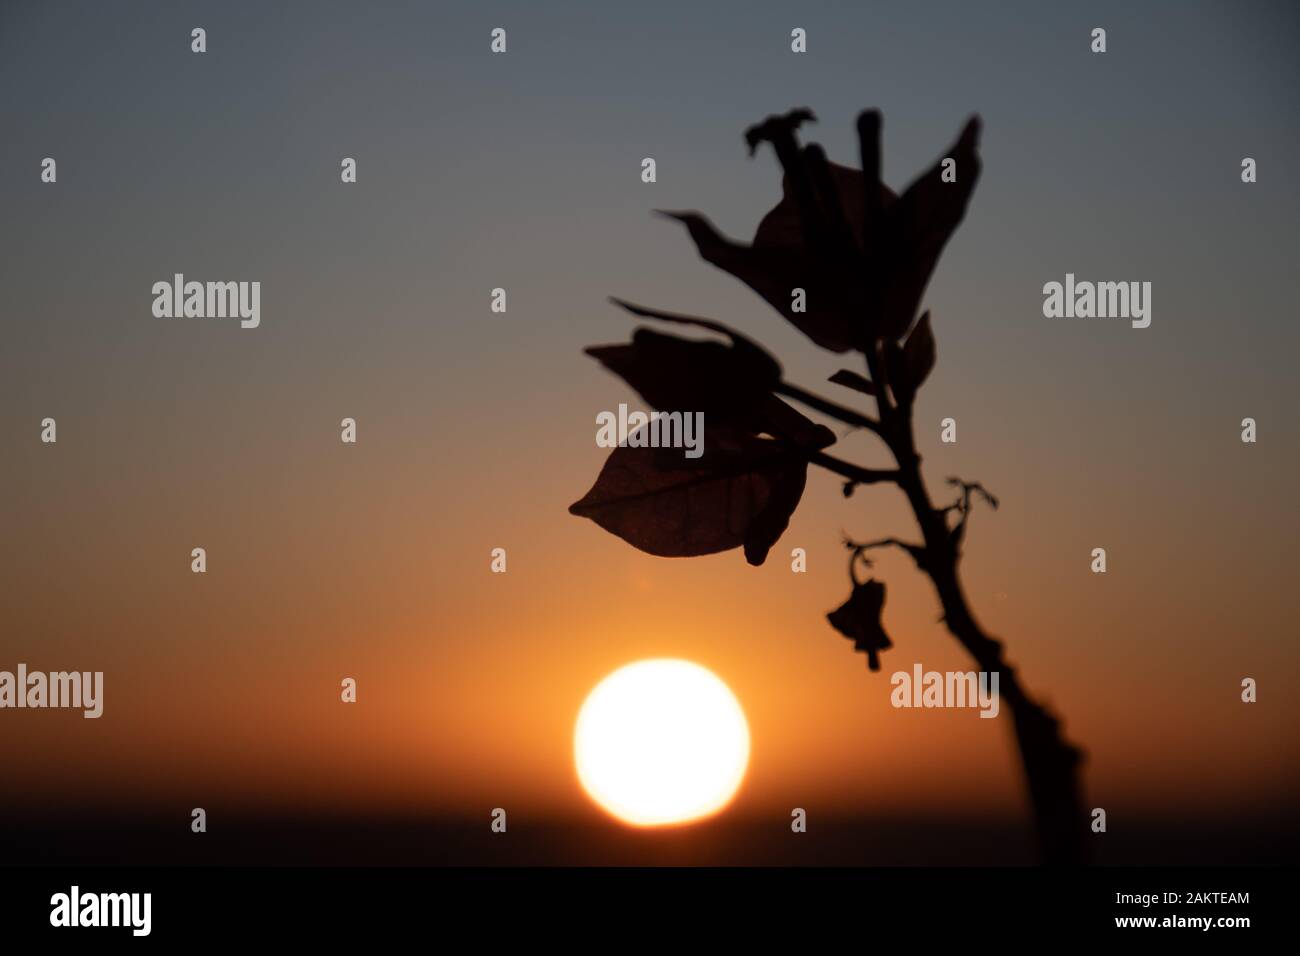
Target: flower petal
[920,224]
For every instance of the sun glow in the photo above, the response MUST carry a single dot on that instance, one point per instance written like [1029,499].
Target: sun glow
[661,741]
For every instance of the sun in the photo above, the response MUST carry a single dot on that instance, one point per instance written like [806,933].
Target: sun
[661,741]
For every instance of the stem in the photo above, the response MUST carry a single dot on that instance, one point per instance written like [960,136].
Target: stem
[855,473]
[1051,763]
[827,407]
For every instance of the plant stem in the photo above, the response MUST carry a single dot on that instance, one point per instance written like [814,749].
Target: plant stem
[855,473]
[1050,762]
[827,407]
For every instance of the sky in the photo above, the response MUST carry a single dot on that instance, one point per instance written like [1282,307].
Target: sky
[475,429]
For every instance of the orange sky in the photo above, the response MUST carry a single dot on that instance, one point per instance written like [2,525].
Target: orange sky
[338,562]
[476,430]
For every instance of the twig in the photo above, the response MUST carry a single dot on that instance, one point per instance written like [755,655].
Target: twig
[917,551]
[827,407]
[855,473]
[962,505]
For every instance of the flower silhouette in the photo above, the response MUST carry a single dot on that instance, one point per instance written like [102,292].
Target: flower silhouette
[862,254]
[847,262]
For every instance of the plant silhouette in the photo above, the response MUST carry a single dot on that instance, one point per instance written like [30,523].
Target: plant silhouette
[863,257]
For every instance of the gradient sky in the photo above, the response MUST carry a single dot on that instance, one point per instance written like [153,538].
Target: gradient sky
[476,429]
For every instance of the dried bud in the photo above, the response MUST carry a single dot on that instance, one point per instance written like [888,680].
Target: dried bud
[858,619]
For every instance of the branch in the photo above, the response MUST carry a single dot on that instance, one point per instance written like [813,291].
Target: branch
[973,486]
[827,407]
[917,551]
[856,474]
[879,378]
[962,505]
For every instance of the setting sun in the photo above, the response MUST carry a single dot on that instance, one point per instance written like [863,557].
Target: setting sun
[661,741]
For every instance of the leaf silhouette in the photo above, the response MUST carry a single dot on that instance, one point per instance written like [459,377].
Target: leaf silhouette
[786,488]
[777,265]
[858,619]
[761,362]
[731,384]
[677,374]
[920,225]
[740,492]
[782,421]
